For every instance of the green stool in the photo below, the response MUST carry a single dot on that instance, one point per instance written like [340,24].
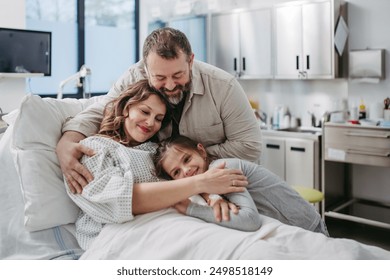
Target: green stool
[309,194]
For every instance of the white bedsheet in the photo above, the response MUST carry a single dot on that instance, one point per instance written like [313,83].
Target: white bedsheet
[168,235]
[15,241]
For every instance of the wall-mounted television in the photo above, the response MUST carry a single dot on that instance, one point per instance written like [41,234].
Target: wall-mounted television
[25,51]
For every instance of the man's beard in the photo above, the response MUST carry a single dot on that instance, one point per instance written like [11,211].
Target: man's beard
[173,99]
[176,98]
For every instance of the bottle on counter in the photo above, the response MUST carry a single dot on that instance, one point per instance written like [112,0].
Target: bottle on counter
[354,112]
[362,110]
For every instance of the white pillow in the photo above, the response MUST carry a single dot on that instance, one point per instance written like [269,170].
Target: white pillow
[37,130]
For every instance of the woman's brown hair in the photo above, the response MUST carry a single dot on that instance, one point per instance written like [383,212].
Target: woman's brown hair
[115,112]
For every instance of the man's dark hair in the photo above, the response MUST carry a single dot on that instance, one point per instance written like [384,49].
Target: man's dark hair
[167,42]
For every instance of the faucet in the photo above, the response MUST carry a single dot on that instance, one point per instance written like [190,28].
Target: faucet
[327,115]
[262,116]
[313,119]
[82,73]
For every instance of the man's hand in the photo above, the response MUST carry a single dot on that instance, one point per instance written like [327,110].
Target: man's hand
[69,153]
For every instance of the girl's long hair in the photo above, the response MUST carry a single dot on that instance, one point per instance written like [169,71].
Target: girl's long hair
[116,111]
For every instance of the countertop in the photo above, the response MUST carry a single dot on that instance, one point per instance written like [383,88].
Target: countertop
[349,125]
[312,133]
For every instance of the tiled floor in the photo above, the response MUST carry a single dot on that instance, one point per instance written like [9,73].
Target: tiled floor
[363,233]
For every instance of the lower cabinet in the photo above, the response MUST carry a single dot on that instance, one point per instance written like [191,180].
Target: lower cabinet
[356,170]
[273,155]
[296,160]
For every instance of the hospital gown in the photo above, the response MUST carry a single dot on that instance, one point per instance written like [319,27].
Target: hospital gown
[108,198]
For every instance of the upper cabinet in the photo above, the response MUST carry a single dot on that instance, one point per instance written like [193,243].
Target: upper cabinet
[304,40]
[240,43]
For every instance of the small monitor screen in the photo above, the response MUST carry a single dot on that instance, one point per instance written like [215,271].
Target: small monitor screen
[25,51]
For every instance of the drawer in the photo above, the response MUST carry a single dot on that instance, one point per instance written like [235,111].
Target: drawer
[357,145]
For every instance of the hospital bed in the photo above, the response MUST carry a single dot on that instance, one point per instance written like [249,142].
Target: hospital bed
[37,217]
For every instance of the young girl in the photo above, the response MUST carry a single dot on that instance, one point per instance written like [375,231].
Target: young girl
[124,183]
[181,157]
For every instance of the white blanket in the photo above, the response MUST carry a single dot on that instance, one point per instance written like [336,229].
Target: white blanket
[168,235]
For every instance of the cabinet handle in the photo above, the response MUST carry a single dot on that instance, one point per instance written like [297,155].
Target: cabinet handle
[367,135]
[297,149]
[308,62]
[359,152]
[297,62]
[243,64]
[235,64]
[273,146]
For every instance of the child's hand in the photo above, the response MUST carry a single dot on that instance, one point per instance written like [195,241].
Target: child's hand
[182,206]
[222,208]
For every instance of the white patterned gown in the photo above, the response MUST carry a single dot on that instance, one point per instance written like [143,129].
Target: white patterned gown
[108,198]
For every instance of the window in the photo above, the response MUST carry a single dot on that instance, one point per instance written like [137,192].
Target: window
[188,16]
[97,33]
[109,40]
[59,17]
[195,30]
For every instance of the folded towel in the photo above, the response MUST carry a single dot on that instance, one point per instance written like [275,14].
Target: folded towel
[384,124]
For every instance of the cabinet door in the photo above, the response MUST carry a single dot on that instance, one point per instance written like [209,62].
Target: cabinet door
[273,156]
[304,40]
[255,44]
[288,41]
[317,36]
[224,42]
[300,166]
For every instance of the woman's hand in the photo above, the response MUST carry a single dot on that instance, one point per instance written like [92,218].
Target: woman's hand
[69,153]
[219,180]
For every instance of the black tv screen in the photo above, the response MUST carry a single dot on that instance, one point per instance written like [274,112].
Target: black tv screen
[25,51]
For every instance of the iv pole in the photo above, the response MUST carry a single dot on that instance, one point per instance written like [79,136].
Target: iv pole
[82,73]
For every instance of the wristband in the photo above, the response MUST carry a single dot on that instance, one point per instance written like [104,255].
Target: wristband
[214,197]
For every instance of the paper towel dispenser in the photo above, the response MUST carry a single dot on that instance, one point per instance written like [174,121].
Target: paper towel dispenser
[367,64]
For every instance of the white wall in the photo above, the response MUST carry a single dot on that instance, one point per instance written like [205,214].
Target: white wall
[12,14]
[369,23]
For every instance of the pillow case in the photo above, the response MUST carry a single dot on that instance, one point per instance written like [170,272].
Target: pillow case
[37,129]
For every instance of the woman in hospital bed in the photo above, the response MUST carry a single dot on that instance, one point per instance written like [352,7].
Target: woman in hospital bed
[122,166]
